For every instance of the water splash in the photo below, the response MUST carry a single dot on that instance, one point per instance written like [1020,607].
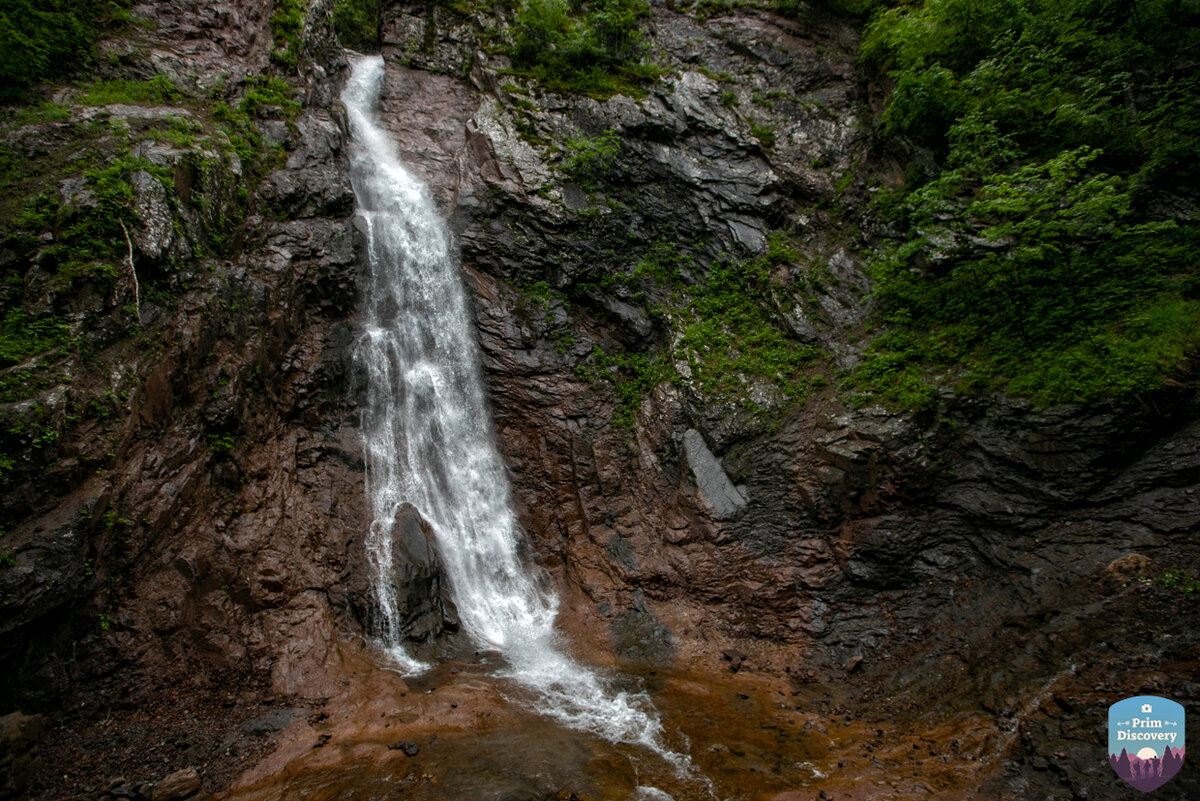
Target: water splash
[428,441]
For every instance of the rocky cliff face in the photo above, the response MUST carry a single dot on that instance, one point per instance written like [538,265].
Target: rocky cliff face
[190,515]
[185,498]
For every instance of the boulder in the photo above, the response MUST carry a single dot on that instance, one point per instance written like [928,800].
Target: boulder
[177,786]
[715,490]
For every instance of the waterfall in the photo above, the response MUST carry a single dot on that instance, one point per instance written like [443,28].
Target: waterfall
[429,442]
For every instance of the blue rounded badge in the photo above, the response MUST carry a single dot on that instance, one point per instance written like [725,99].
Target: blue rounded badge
[1145,740]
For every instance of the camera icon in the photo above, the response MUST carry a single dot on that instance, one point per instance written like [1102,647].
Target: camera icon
[1147,709]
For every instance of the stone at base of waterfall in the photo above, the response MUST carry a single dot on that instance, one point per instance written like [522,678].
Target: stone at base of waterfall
[734,658]
[179,785]
[409,749]
[424,601]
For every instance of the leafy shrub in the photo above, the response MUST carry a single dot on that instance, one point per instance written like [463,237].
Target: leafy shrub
[589,159]
[593,48]
[730,332]
[725,329]
[263,91]
[21,336]
[798,9]
[41,38]
[357,24]
[764,133]
[1177,580]
[632,375]
[157,90]
[1040,255]
[287,28]
[780,248]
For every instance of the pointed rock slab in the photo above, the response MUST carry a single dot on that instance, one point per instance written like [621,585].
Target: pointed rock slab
[716,491]
[179,785]
[424,594]
[426,609]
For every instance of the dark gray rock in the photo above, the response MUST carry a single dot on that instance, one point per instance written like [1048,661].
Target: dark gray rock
[426,604]
[716,491]
[410,749]
[422,594]
[271,721]
[639,637]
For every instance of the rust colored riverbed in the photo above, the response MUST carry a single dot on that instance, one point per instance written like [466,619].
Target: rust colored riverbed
[752,736]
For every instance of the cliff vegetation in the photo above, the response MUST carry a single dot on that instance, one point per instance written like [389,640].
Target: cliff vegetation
[1046,244]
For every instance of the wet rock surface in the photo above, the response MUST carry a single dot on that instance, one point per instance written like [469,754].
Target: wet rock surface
[869,545]
[823,599]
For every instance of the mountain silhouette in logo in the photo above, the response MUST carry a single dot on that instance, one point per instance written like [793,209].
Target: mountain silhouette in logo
[1147,774]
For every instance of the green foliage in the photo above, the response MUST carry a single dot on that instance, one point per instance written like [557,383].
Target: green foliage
[222,444]
[725,330]
[730,335]
[41,112]
[19,384]
[664,262]
[1179,581]
[799,9]
[1040,256]
[21,337]
[180,132]
[357,24]
[589,159]
[540,294]
[110,519]
[781,249]
[30,428]
[156,91]
[244,136]
[563,341]
[764,133]
[632,375]
[593,47]
[287,28]
[88,245]
[719,77]
[267,92]
[43,38]
[8,559]
[239,123]
[94,238]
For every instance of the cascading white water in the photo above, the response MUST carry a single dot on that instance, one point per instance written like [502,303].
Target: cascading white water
[428,441]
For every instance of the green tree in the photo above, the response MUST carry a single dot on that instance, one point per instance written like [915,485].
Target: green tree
[357,23]
[41,38]
[1042,253]
[593,48]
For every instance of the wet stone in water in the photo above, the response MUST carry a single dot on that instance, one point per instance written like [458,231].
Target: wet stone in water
[409,749]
